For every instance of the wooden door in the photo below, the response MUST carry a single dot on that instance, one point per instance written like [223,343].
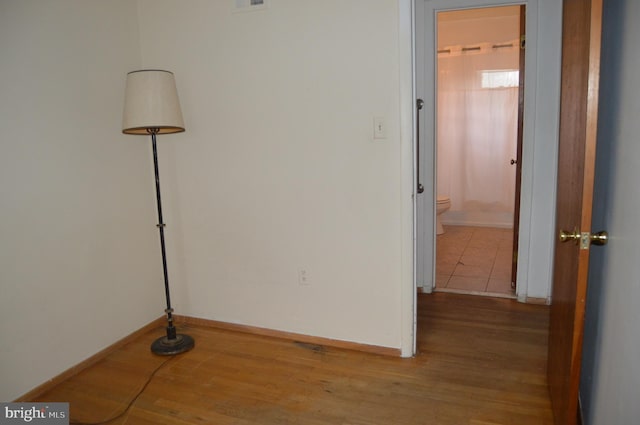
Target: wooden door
[518,159]
[576,163]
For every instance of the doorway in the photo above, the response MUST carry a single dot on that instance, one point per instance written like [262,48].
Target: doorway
[532,268]
[540,145]
[479,79]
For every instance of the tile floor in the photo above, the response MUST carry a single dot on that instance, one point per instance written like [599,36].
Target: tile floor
[474,260]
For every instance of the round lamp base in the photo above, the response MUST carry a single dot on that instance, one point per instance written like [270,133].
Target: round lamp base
[167,347]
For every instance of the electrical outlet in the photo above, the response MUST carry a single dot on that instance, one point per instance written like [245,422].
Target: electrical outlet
[303,277]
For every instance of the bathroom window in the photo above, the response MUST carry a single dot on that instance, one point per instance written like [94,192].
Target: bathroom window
[498,79]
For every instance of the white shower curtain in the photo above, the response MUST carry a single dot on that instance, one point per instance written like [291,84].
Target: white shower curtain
[477,131]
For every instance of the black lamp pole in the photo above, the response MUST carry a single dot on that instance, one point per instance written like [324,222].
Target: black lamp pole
[172,343]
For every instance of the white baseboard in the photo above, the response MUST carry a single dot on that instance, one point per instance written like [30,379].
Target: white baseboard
[477,219]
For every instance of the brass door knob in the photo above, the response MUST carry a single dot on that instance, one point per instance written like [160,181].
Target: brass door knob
[566,236]
[600,238]
[585,239]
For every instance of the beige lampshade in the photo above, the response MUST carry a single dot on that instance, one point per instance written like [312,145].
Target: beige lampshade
[151,102]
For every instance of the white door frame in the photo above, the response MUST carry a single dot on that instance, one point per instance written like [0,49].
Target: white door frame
[426,88]
[537,219]
[407,97]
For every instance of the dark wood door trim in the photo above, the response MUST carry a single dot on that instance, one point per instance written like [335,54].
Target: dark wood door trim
[518,164]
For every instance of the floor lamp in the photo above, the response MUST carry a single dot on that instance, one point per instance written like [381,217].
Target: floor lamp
[152,107]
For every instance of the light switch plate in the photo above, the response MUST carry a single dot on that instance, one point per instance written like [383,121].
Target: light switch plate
[379,128]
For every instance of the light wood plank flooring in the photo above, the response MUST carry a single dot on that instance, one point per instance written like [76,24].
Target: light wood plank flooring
[481,361]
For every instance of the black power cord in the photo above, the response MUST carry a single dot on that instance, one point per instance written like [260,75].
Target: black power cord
[131,403]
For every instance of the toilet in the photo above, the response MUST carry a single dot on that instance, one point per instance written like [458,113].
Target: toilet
[443,203]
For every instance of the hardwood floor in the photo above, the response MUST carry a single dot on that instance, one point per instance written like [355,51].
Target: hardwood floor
[481,361]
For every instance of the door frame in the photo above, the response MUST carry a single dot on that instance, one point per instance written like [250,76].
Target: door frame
[426,269]
[537,211]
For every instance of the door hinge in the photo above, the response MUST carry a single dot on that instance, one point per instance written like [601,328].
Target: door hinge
[523,41]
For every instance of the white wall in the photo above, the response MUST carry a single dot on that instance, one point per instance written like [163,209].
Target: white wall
[610,373]
[535,272]
[473,26]
[278,169]
[79,256]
